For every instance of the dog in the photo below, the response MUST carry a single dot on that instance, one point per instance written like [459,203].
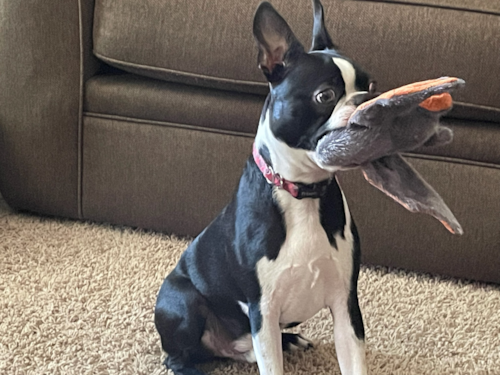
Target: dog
[286,246]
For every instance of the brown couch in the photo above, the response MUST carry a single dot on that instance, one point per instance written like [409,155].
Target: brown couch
[142,113]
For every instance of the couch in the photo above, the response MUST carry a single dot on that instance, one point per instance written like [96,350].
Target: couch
[142,113]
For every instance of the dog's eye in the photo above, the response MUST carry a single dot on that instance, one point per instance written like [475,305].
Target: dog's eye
[325,96]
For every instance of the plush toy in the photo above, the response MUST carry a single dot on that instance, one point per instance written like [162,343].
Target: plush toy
[380,129]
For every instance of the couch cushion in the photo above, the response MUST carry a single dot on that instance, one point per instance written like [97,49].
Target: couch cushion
[158,177]
[472,141]
[127,97]
[401,43]
[419,242]
[193,41]
[136,98]
[210,43]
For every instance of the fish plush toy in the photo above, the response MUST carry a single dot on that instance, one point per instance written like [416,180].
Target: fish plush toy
[394,122]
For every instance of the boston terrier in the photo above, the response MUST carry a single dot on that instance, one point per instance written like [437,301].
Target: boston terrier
[286,246]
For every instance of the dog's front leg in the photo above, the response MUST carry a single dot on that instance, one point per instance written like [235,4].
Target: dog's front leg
[349,335]
[266,338]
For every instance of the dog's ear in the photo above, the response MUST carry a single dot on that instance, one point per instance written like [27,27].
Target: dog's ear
[321,38]
[277,44]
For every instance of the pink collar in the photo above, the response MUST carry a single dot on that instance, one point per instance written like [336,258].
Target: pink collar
[297,190]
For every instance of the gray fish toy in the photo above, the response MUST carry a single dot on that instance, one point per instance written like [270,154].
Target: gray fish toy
[396,121]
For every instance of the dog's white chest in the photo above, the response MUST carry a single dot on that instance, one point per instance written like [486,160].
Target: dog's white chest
[308,270]
[305,289]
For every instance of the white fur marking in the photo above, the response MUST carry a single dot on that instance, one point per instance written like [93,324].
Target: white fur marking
[240,349]
[244,307]
[307,263]
[344,109]
[348,74]
[244,343]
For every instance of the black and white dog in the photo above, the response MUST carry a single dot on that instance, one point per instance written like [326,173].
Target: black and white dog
[286,246]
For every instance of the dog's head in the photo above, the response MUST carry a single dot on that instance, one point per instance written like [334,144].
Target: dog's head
[311,92]
[312,97]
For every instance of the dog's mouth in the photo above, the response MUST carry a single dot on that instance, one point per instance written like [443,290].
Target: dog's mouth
[340,118]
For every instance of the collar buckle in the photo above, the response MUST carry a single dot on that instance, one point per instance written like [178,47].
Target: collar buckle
[273,178]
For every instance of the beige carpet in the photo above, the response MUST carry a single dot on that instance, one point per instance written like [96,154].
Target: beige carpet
[77,298]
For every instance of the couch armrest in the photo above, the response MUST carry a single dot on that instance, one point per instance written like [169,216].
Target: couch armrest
[45,56]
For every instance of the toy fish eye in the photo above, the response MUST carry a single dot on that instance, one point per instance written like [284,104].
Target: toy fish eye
[325,96]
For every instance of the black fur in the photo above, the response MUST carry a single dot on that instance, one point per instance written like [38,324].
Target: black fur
[333,202]
[249,228]
[352,303]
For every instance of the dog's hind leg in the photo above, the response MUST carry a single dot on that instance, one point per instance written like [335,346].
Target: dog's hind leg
[180,318]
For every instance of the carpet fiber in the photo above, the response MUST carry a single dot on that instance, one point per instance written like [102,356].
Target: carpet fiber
[78,298]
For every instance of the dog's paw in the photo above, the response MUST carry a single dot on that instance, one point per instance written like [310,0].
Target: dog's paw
[295,341]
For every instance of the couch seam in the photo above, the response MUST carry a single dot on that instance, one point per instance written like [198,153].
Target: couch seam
[167,124]
[80,117]
[249,84]
[248,135]
[478,106]
[254,85]
[410,3]
[447,159]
